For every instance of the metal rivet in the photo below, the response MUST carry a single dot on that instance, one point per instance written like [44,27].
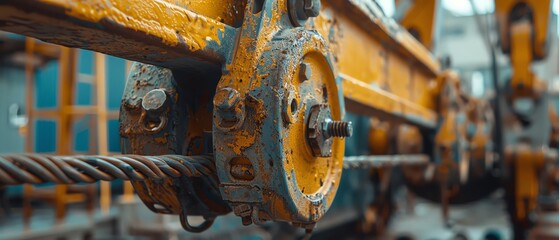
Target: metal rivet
[154,101]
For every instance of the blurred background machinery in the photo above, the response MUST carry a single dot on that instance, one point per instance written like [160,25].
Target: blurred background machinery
[294,118]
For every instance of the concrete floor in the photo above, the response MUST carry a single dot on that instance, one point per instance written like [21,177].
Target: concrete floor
[77,225]
[126,220]
[425,222]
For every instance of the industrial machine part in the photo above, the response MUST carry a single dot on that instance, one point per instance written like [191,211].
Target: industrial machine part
[464,161]
[263,86]
[420,18]
[36,168]
[525,118]
[259,96]
[524,36]
[245,72]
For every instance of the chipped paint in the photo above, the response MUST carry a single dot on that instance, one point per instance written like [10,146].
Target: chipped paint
[167,21]
[264,164]
[230,12]
[155,32]
[243,139]
[182,195]
[377,59]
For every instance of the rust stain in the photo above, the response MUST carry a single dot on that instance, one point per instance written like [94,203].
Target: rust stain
[171,23]
[162,140]
[242,140]
[247,55]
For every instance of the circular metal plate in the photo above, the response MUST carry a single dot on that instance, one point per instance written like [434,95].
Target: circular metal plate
[287,182]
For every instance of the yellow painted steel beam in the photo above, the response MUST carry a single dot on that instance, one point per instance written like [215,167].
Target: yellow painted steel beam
[382,29]
[368,47]
[364,99]
[158,32]
[420,20]
[385,72]
[522,79]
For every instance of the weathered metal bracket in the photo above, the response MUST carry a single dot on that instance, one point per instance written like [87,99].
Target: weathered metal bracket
[181,134]
[260,161]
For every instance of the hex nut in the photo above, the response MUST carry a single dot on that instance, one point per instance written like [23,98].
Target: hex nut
[320,144]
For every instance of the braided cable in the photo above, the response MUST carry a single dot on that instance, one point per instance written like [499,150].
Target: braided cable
[36,168]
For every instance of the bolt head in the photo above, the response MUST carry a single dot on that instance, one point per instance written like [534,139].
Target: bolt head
[155,100]
[226,98]
[301,10]
[312,8]
[305,71]
[242,210]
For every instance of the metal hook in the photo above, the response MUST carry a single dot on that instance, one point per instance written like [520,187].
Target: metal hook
[208,222]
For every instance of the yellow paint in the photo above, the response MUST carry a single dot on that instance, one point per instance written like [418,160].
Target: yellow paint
[527,165]
[243,140]
[379,137]
[542,16]
[522,79]
[384,100]
[228,11]
[247,54]
[161,140]
[171,23]
[314,174]
[421,18]
[377,62]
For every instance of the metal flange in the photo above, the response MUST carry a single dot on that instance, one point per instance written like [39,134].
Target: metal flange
[266,168]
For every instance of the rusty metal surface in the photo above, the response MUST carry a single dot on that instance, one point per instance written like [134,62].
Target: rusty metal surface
[240,80]
[157,32]
[159,115]
[190,35]
[385,72]
[259,124]
[272,136]
[367,15]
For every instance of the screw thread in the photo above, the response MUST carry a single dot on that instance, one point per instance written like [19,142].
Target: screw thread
[340,129]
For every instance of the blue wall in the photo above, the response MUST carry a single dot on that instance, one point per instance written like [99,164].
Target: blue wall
[12,85]
[12,90]
[47,98]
